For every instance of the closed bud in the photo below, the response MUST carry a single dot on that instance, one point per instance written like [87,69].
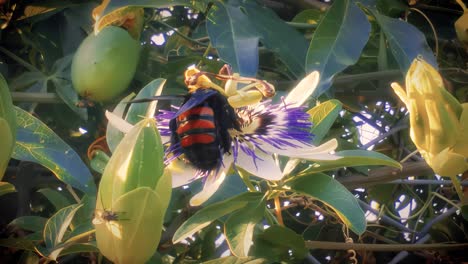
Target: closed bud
[133,196]
[436,119]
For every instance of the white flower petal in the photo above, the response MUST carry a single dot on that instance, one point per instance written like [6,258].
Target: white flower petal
[124,127]
[307,152]
[212,183]
[117,122]
[303,90]
[182,173]
[265,168]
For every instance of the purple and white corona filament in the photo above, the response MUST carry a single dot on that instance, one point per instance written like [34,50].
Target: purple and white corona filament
[263,128]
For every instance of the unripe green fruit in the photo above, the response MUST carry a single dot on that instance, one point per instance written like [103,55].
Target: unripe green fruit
[104,64]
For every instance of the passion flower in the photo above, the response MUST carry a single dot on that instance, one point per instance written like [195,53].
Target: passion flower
[104,64]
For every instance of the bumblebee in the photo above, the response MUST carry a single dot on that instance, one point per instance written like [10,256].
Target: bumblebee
[201,127]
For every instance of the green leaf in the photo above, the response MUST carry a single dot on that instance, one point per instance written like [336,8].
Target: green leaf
[329,191]
[61,79]
[113,135]
[323,116]
[57,225]
[239,227]
[65,91]
[116,4]
[136,112]
[18,243]
[205,216]
[404,49]
[309,16]
[86,213]
[273,31]
[58,199]
[8,144]
[6,187]
[27,79]
[353,158]
[234,37]
[139,230]
[7,125]
[38,143]
[29,257]
[237,260]
[79,249]
[289,248]
[79,231]
[99,161]
[337,42]
[29,223]
[164,189]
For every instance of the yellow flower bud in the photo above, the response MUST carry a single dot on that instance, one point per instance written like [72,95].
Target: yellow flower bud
[437,124]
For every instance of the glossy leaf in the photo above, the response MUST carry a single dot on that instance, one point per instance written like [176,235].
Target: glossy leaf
[353,158]
[164,189]
[86,213]
[29,223]
[27,79]
[404,49]
[18,243]
[8,144]
[136,112]
[207,215]
[323,116]
[57,225]
[234,37]
[7,125]
[309,16]
[7,111]
[239,227]
[58,199]
[337,42]
[6,187]
[38,143]
[135,237]
[65,91]
[291,52]
[329,191]
[279,243]
[79,249]
[116,4]
[99,161]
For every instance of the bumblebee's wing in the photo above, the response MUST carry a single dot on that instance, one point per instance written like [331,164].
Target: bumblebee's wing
[196,98]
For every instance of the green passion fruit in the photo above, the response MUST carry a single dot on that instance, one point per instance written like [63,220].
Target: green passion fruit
[104,64]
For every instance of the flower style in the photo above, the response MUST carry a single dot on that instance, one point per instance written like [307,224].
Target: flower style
[265,129]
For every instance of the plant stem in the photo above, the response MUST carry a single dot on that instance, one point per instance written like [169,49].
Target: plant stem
[278,210]
[182,35]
